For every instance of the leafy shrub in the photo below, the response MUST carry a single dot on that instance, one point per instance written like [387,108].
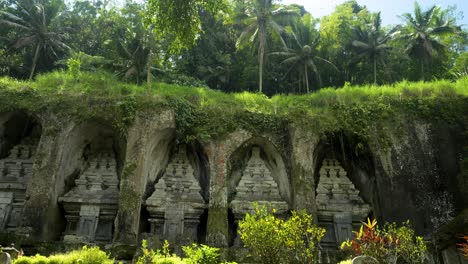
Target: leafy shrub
[346,262]
[464,247]
[197,254]
[201,254]
[275,240]
[389,244]
[86,255]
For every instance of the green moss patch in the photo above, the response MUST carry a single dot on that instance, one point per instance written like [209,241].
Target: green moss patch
[203,113]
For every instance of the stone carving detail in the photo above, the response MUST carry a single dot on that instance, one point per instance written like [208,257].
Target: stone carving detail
[15,173]
[91,206]
[257,185]
[339,205]
[176,204]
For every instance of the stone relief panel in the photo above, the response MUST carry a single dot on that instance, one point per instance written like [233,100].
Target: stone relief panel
[339,206]
[91,205]
[176,204]
[257,185]
[15,173]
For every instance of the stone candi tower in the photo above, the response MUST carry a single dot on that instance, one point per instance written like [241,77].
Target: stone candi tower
[15,173]
[339,206]
[91,206]
[176,204]
[257,185]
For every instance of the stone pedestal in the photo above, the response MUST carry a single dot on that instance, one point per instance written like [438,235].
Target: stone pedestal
[15,173]
[176,204]
[340,209]
[91,206]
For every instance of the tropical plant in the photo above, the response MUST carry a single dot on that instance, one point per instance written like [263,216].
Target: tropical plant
[33,20]
[372,43]
[464,246]
[388,244]
[422,32]
[261,18]
[196,254]
[275,240]
[303,57]
[179,20]
[134,44]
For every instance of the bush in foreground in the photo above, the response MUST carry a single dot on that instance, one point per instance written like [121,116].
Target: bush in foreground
[86,255]
[196,254]
[274,240]
[388,245]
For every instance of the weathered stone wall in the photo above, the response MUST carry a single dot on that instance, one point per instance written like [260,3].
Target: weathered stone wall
[415,176]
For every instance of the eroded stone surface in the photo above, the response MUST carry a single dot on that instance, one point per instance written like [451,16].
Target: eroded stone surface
[91,206]
[336,193]
[176,204]
[15,173]
[339,205]
[257,185]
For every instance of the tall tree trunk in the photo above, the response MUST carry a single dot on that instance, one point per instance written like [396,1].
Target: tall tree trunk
[319,79]
[306,78]
[422,69]
[148,68]
[261,53]
[34,62]
[375,70]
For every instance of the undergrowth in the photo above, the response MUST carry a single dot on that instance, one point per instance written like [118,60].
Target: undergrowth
[88,255]
[203,113]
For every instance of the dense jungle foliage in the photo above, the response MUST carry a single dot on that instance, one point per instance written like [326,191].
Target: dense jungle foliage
[231,45]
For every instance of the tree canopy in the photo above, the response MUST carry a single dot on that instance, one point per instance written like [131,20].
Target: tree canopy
[238,45]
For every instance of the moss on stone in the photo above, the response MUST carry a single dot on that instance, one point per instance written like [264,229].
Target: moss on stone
[217,225]
[203,113]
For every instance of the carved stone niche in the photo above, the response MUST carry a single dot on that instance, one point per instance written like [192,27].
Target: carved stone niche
[15,173]
[339,206]
[91,206]
[176,204]
[257,185]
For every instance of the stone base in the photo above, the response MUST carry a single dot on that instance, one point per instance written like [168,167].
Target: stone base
[73,239]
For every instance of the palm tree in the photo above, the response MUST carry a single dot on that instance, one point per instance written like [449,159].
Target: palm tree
[423,31]
[261,19]
[136,58]
[33,20]
[371,42]
[303,56]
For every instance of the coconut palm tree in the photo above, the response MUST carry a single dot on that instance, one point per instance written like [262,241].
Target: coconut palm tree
[135,59]
[372,43]
[33,20]
[261,17]
[303,55]
[423,31]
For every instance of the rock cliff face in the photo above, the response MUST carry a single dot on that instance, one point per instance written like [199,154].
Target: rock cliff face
[63,180]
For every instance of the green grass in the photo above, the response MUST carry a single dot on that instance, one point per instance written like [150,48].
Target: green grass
[204,113]
[91,255]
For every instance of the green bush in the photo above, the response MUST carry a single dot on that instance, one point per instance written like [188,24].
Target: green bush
[86,255]
[201,254]
[274,240]
[388,245]
[196,254]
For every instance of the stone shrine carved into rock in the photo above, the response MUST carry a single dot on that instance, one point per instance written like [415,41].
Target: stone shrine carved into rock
[257,185]
[176,204]
[91,206]
[15,173]
[339,206]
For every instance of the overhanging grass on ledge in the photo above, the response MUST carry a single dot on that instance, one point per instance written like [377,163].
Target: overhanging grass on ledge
[204,112]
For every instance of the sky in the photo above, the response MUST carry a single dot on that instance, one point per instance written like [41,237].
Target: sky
[390,9]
